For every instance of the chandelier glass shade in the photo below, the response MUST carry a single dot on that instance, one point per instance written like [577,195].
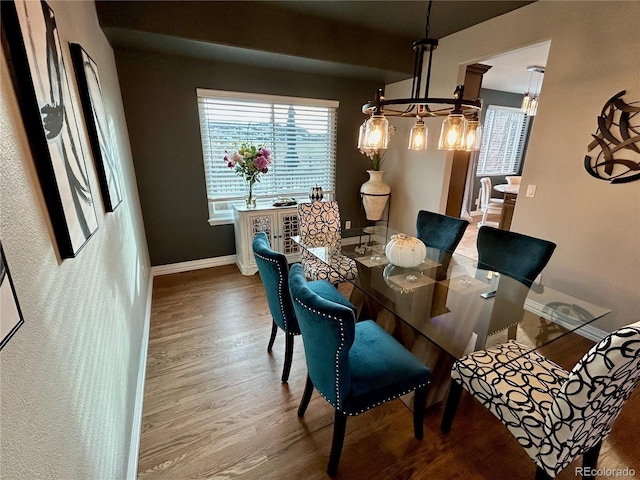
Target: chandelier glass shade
[418,136]
[473,136]
[453,132]
[376,136]
[457,110]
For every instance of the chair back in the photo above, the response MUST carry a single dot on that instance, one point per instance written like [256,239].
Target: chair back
[513,254]
[513,179]
[328,331]
[485,192]
[318,217]
[440,231]
[274,272]
[591,399]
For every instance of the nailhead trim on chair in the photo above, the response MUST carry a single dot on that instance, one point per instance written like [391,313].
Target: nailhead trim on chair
[280,285]
[337,377]
[341,323]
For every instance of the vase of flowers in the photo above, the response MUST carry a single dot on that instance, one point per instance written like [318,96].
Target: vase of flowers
[250,163]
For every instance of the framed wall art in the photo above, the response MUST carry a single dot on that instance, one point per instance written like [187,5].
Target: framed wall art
[98,126]
[34,54]
[10,313]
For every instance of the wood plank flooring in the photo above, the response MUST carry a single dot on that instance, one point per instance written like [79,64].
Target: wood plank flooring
[214,406]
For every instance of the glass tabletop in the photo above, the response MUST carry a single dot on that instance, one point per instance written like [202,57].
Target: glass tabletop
[448,300]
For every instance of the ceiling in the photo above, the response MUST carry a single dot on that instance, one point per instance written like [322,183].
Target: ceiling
[405,17]
[381,17]
[509,70]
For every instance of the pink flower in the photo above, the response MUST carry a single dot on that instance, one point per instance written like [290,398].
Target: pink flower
[261,162]
[265,152]
[236,158]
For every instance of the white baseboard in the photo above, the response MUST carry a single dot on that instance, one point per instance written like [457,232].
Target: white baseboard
[192,265]
[136,424]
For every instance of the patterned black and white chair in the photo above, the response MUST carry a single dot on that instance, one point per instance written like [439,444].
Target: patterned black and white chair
[554,414]
[320,222]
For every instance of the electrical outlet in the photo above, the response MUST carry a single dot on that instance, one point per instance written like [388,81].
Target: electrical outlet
[531,191]
[347,225]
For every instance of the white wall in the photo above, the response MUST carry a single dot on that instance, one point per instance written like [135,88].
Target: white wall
[68,376]
[593,55]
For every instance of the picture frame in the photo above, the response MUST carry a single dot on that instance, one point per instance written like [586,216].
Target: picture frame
[34,54]
[11,318]
[98,126]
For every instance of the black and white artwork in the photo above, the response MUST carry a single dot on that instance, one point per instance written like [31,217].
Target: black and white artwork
[10,314]
[98,126]
[34,53]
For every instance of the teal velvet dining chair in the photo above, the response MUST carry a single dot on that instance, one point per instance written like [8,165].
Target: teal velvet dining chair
[354,366]
[440,231]
[443,233]
[518,256]
[274,272]
[513,254]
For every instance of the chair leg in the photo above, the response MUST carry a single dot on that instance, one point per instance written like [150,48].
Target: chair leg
[542,475]
[288,356]
[590,461]
[455,392]
[485,213]
[339,428]
[306,397]
[274,330]
[419,401]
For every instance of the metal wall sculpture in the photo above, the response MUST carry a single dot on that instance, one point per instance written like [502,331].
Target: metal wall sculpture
[34,53]
[618,138]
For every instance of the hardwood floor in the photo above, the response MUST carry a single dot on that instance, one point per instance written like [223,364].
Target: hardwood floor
[214,406]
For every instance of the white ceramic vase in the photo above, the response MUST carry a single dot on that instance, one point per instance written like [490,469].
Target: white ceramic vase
[375,195]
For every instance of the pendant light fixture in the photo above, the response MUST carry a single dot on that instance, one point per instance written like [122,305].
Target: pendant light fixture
[473,136]
[531,97]
[453,135]
[418,136]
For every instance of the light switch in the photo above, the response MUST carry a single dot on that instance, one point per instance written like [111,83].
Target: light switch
[531,191]
[347,225]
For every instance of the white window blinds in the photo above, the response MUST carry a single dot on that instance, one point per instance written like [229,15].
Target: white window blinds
[301,134]
[503,138]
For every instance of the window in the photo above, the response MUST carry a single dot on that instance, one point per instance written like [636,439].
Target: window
[300,132]
[505,129]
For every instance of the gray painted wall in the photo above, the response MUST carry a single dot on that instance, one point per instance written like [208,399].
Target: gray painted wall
[159,96]
[70,373]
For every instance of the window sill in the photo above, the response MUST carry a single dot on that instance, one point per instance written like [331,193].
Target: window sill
[214,222]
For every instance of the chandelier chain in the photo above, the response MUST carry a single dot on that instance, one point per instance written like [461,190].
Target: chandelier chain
[428,25]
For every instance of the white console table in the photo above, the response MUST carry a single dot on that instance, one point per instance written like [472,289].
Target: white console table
[279,223]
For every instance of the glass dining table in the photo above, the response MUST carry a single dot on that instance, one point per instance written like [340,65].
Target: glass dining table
[446,306]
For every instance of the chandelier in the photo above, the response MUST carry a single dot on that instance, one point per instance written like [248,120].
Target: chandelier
[531,97]
[460,130]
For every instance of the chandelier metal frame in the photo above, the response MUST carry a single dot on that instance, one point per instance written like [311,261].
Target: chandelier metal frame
[420,104]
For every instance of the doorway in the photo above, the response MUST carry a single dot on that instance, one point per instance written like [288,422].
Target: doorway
[506,129]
